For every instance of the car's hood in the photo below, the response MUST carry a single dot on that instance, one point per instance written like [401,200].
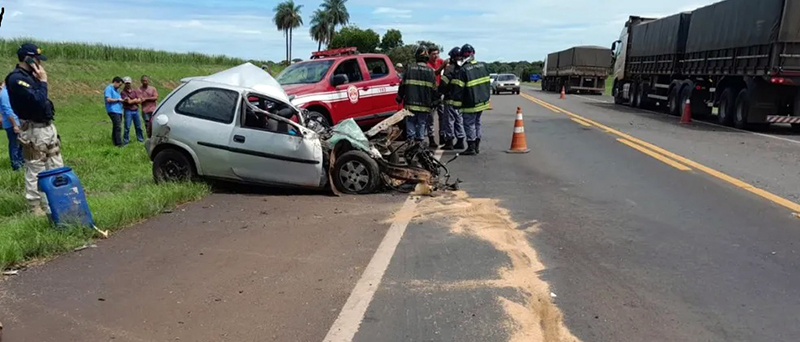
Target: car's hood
[249,76]
[299,89]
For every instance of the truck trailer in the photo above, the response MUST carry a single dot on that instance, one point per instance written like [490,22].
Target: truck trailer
[741,57]
[578,69]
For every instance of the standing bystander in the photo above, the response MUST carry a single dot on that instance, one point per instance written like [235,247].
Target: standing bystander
[131,100]
[12,127]
[113,101]
[41,147]
[437,64]
[149,95]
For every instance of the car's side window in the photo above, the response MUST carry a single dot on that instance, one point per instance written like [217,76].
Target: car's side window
[260,121]
[350,68]
[377,67]
[212,104]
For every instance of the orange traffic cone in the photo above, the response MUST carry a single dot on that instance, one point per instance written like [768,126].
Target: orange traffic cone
[687,112]
[518,142]
[563,92]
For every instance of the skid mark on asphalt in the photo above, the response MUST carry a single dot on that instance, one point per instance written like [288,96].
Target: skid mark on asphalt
[536,317]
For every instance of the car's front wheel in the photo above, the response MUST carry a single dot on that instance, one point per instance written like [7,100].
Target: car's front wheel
[170,165]
[355,172]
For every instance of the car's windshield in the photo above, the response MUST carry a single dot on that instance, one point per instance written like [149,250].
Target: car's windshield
[305,72]
[507,78]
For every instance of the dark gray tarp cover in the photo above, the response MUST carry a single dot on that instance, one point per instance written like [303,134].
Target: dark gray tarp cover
[552,63]
[790,26]
[585,56]
[660,37]
[737,23]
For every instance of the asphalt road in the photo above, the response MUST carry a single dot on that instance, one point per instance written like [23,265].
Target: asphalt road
[584,238]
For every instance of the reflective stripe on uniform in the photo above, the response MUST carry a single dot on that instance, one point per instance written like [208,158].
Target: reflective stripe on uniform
[478,81]
[420,83]
[414,108]
[477,109]
[457,82]
[453,103]
[445,79]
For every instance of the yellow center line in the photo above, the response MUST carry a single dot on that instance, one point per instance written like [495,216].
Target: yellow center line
[581,122]
[680,159]
[657,156]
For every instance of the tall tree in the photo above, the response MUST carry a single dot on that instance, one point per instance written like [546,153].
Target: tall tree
[351,36]
[391,39]
[338,15]
[320,28]
[281,12]
[287,18]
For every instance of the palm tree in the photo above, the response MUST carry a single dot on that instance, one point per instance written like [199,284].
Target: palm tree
[337,13]
[320,28]
[280,22]
[287,18]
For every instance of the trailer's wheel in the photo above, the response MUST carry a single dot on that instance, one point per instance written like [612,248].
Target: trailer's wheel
[742,109]
[727,103]
[672,102]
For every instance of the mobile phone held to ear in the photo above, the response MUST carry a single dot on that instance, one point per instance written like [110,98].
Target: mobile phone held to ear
[30,61]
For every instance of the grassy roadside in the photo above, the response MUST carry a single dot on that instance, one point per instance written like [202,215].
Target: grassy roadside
[118,182]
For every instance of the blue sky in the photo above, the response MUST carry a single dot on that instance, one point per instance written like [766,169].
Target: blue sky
[507,30]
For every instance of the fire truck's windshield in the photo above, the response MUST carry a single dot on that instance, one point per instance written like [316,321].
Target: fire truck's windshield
[305,73]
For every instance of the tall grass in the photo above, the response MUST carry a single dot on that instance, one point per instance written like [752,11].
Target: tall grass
[101,52]
[118,182]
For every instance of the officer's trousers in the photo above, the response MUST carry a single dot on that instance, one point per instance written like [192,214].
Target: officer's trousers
[42,151]
[416,126]
[472,125]
[454,125]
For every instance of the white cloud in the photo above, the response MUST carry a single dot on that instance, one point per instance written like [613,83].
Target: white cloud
[16,14]
[392,12]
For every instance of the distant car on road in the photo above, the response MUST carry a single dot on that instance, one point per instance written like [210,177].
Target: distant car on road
[340,84]
[506,83]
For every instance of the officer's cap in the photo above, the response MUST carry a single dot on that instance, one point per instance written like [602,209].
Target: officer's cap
[30,50]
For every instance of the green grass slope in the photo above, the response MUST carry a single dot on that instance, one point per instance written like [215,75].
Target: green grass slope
[118,182]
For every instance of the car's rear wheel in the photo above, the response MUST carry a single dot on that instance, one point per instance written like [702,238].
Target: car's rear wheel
[171,165]
[355,172]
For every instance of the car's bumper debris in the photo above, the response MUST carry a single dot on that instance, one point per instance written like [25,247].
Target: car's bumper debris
[403,166]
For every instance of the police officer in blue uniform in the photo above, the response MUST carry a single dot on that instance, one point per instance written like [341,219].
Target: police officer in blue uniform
[41,148]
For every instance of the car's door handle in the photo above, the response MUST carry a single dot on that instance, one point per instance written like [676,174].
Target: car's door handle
[366,88]
[238,139]
[392,84]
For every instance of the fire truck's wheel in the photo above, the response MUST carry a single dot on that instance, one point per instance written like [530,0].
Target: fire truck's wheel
[320,118]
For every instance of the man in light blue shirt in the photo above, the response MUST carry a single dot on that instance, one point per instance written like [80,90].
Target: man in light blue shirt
[113,100]
[12,127]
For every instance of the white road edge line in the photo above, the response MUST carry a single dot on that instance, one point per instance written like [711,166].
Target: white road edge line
[348,322]
[591,99]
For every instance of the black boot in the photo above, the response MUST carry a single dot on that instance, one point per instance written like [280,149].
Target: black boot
[470,149]
[477,146]
[432,142]
[459,144]
[448,144]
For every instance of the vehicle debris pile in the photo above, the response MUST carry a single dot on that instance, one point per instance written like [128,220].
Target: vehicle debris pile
[404,166]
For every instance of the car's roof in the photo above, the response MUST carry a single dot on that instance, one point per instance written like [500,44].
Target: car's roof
[247,77]
[333,58]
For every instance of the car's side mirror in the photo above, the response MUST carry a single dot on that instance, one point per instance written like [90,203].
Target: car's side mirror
[292,97]
[339,80]
[613,47]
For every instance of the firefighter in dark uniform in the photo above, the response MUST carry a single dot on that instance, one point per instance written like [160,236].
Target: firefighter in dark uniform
[418,92]
[27,92]
[454,125]
[471,93]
